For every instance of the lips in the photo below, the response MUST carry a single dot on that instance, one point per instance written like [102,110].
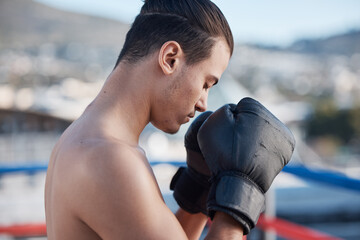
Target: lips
[191,115]
[187,119]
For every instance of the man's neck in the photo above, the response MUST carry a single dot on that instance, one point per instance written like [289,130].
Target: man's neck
[123,105]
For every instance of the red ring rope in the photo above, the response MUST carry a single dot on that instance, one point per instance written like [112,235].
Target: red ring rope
[291,230]
[24,230]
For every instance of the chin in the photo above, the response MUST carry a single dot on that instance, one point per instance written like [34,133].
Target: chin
[171,130]
[167,128]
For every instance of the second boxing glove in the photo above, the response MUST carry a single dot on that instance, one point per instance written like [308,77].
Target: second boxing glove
[191,184]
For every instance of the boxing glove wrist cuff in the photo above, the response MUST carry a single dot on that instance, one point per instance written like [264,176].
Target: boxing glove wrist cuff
[237,195]
[190,190]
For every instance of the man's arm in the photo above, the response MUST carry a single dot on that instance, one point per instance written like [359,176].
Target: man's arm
[224,227]
[193,224]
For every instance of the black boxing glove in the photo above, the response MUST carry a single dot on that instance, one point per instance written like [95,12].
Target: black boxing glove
[245,147]
[191,184]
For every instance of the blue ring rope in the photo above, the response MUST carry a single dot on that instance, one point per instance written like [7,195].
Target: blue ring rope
[319,175]
[324,176]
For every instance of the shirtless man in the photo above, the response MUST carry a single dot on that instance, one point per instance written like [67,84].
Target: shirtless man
[99,183]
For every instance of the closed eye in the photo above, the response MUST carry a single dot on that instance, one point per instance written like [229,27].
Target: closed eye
[211,79]
[206,86]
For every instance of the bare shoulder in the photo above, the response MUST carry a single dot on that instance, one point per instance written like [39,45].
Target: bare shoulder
[119,196]
[116,160]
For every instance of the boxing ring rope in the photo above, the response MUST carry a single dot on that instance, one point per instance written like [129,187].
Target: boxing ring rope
[282,227]
[289,230]
[24,230]
[332,178]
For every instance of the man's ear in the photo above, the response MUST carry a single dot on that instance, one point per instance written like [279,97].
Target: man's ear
[169,56]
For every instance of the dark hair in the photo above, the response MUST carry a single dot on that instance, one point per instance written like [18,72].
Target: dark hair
[194,24]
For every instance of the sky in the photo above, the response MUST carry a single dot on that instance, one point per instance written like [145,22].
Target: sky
[276,22]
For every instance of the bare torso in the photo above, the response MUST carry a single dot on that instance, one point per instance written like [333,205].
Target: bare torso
[87,171]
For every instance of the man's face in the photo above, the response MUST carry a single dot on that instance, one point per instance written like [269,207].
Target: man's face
[188,91]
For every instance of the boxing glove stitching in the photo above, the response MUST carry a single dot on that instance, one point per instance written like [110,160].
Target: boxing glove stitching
[284,129]
[237,119]
[250,104]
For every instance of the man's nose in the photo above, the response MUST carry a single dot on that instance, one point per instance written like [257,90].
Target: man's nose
[201,104]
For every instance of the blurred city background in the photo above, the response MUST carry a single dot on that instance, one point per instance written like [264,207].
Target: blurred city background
[300,59]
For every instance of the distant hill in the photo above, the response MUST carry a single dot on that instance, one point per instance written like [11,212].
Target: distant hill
[25,23]
[343,44]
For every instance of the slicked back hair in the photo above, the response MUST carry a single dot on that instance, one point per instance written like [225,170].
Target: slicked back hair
[194,24]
